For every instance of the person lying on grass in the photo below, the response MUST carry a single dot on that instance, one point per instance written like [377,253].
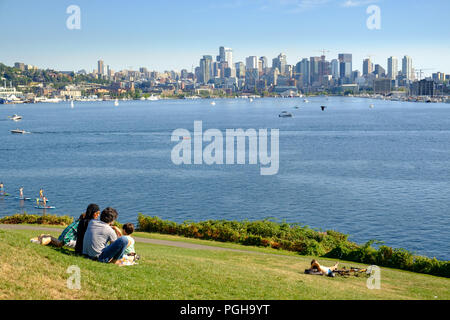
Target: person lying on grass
[69,236]
[101,232]
[324,270]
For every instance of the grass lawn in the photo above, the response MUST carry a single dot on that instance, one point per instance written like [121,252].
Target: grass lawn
[30,271]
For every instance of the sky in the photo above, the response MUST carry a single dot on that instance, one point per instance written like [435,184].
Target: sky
[175,34]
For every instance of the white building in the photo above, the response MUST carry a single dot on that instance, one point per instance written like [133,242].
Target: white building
[407,69]
[392,68]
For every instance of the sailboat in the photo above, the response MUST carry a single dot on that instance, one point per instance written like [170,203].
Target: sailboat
[71,104]
[371,106]
[213,103]
[116,103]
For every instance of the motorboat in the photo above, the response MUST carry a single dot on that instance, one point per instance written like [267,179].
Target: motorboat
[213,103]
[153,98]
[116,102]
[285,114]
[371,106]
[16,117]
[19,131]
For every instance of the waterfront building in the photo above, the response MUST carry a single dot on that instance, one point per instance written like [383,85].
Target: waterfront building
[382,85]
[407,69]
[392,68]
[367,67]
[345,66]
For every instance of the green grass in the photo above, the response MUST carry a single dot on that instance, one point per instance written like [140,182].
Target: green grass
[30,271]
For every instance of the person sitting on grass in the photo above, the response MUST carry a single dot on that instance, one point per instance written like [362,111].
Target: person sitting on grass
[128,229]
[92,213]
[101,232]
[324,270]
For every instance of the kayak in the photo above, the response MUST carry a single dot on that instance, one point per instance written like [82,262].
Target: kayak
[42,207]
[5,194]
[18,198]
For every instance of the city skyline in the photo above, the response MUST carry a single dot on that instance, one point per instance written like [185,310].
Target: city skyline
[162,36]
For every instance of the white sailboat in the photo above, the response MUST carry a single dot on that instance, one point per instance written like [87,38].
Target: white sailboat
[213,103]
[71,104]
[116,102]
[371,106]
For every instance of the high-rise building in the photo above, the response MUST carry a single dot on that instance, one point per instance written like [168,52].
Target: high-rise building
[304,70]
[392,71]
[205,69]
[335,68]
[100,67]
[345,65]
[251,62]
[314,70]
[225,55]
[240,69]
[367,67]
[407,69]
[264,63]
[280,63]
[379,71]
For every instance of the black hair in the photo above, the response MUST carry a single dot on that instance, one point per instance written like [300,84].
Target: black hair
[91,209]
[108,215]
[128,228]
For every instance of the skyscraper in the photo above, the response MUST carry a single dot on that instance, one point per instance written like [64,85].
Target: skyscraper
[264,63]
[280,63]
[314,70]
[205,69]
[304,70]
[392,68]
[251,62]
[100,67]
[335,68]
[345,65]
[407,68]
[226,55]
[240,69]
[367,67]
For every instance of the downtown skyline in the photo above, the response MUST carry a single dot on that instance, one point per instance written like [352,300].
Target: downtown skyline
[161,36]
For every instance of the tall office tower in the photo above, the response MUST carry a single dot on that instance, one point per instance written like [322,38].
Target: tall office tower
[280,63]
[345,65]
[379,70]
[335,68]
[205,69]
[304,70]
[264,63]
[407,69]
[240,69]
[314,69]
[367,67]
[392,68]
[100,67]
[324,68]
[225,55]
[251,62]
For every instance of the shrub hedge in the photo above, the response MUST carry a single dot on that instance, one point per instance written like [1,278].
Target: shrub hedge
[24,218]
[301,239]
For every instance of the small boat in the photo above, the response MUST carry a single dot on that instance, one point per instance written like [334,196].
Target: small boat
[153,98]
[71,104]
[15,117]
[323,108]
[18,131]
[371,106]
[46,207]
[116,103]
[251,100]
[296,107]
[23,199]
[285,114]
[305,101]
[213,103]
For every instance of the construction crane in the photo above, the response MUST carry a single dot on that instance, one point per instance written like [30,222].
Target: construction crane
[419,72]
[324,51]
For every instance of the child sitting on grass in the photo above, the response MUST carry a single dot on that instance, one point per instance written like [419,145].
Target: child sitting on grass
[128,228]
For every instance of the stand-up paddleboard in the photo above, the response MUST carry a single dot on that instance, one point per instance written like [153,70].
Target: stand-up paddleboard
[40,200]
[42,207]
[23,199]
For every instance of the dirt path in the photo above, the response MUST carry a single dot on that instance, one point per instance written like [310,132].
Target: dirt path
[178,244]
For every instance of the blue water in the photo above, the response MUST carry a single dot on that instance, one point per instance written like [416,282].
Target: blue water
[379,173]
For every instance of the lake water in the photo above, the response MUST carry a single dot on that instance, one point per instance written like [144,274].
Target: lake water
[380,173]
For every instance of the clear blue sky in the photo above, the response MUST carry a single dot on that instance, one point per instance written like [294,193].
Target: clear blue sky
[174,34]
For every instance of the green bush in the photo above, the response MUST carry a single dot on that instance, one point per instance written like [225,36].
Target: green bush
[24,218]
[298,238]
